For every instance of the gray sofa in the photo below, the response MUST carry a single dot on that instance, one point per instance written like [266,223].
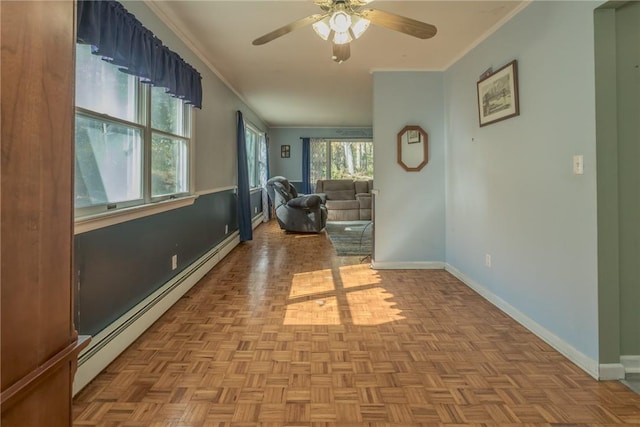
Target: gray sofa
[305,214]
[346,199]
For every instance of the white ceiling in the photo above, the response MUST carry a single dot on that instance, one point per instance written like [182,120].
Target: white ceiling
[292,80]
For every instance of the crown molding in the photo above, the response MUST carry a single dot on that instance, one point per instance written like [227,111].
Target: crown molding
[159,10]
[489,32]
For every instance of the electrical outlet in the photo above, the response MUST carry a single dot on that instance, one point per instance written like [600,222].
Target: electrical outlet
[174,262]
[255,209]
[487,260]
[226,229]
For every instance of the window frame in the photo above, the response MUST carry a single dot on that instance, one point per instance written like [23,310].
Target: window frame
[126,210]
[259,135]
[328,151]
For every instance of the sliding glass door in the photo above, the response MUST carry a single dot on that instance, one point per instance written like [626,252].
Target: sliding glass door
[335,159]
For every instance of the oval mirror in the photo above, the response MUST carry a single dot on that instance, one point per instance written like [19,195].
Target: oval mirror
[413,152]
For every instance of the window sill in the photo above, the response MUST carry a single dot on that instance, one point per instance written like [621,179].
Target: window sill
[94,222]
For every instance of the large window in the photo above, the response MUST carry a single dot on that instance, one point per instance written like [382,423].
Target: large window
[132,139]
[256,155]
[331,159]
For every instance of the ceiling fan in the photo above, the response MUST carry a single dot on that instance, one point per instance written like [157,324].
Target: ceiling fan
[346,20]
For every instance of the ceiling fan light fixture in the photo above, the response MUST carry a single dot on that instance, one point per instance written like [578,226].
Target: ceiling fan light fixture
[340,21]
[359,26]
[342,38]
[322,29]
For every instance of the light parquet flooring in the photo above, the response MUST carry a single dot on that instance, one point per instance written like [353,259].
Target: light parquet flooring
[284,333]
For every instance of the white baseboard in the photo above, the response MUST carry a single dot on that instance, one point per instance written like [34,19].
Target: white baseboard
[631,364]
[410,265]
[611,371]
[115,338]
[587,364]
[259,219]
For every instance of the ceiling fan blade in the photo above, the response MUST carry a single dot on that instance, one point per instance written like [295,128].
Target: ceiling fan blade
[359,3]
[330,3]
[405,25]
[287,29]
[341,52]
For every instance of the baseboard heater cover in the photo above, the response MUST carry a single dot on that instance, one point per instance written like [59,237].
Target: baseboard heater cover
[113,340]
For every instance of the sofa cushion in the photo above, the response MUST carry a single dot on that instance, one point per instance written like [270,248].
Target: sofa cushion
[341,194]
[336,184]
[343,204]
[361,186]
[343,215]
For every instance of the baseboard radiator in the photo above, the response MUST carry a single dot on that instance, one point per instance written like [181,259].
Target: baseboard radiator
[115,338]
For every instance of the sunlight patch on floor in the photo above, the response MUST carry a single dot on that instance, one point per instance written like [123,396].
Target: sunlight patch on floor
[353,276]
[311,283]
[373,306]
[321,311]
[355,297]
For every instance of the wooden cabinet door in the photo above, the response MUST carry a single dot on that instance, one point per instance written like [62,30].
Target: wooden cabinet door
[38,338]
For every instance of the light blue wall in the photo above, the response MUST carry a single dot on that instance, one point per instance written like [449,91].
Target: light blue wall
[410,208]
[510,188]
[292,167]
[215,133]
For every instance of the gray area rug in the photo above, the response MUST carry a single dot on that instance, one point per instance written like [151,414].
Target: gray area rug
[350,237]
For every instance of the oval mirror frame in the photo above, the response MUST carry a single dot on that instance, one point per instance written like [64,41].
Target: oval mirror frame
[411,135]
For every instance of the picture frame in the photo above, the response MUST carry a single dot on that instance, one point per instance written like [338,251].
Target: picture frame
[413,136]
[285,151]
[498,95]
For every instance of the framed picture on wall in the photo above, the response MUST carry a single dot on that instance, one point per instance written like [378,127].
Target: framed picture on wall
[413,137]
[498,95]
[285,151]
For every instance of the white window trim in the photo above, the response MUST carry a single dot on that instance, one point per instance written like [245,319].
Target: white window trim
[105,219]
[258,132]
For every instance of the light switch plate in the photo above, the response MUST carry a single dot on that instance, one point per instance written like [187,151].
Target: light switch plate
[578,164]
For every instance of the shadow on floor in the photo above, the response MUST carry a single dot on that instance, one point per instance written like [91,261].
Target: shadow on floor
[633,382]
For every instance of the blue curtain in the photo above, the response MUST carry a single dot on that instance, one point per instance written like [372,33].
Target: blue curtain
[121,39]
[306,166]
[244,198]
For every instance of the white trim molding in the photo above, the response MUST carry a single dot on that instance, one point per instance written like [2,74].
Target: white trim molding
[217,190]
[495,27]
[407,265]
[257,220]
[196,47]
[584,362]
[610,371]
[101,220]
[631,364]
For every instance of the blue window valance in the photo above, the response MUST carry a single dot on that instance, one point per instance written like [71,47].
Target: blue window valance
[117,36]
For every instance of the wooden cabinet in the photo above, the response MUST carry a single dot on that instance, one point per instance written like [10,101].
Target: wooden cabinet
[39,343]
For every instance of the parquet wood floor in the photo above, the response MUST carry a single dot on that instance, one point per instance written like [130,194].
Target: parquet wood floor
[284,333]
